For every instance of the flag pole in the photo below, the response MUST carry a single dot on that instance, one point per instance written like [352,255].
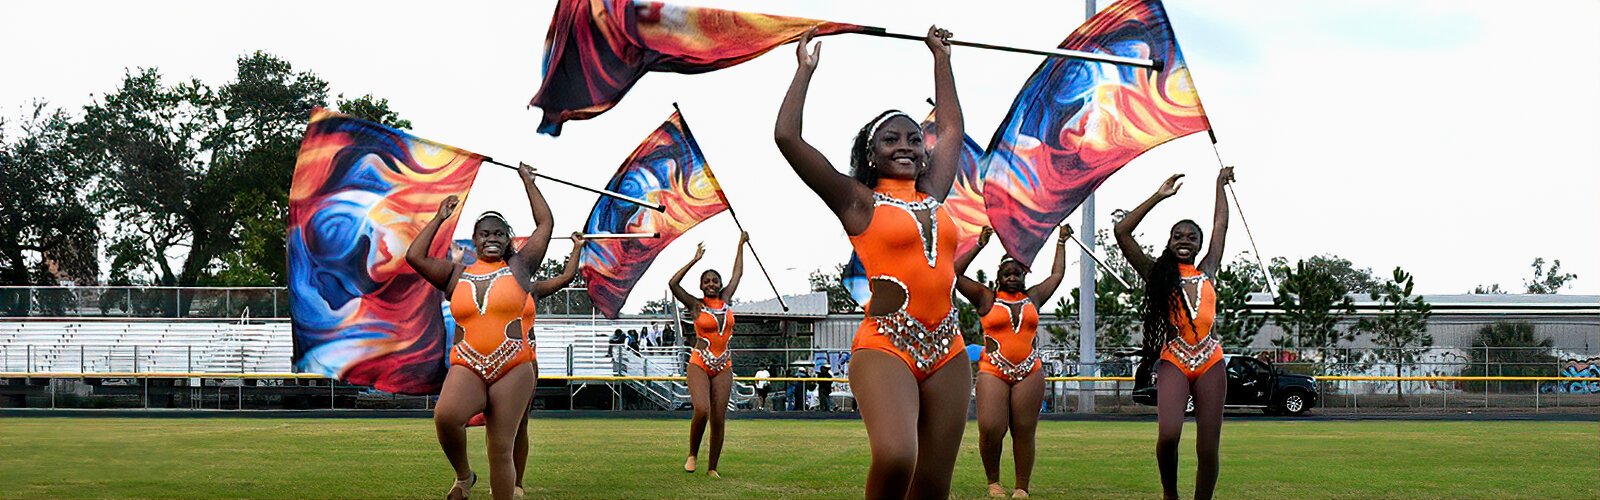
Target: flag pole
[1090,253]
[1264,272]
[602,192]
[735,215]
[613,236]
[1062,53]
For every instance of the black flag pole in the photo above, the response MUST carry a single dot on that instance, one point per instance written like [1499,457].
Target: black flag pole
[602,192]
[1063,53]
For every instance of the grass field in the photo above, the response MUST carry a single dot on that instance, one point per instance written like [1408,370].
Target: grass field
[617,458]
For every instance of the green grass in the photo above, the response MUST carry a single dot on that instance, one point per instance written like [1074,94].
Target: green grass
[615,458]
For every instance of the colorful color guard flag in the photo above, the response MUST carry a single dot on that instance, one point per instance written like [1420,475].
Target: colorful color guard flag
[667,169]
[361,193]
[965,201]
[597,49]
[1076,122]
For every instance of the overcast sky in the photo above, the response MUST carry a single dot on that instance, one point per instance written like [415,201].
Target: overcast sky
[1457,139]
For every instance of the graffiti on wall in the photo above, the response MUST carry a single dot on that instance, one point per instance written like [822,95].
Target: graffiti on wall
[1587,368]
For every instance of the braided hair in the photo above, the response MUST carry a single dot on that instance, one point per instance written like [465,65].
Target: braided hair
[1163,294]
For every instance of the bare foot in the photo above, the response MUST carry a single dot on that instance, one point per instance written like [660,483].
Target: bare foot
[714,475]
[688,465]
[997,491]
[518,494]
[1019,493]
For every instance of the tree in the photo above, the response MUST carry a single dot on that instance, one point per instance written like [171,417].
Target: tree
[1401,326]
[1551,281]
[1235,324]
[1493,289]
[200,175]
[839,301]
[1340,269]
[1313,301]
[1508,348]
[45,216]
[657,306]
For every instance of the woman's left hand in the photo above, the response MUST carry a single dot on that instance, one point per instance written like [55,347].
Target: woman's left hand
[1225,176]
[527,172]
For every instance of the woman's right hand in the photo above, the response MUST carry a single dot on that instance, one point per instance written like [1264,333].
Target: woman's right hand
[699,251]
[447,207]
[1170,187]
[808,60]
[984,235]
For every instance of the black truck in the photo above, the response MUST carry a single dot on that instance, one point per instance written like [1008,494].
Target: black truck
[1251,384]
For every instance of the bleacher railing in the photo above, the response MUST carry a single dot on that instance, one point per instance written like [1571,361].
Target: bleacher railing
[168,302]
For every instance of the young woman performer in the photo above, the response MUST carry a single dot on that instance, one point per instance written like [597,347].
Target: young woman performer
[912,398]
[711,363]
[1179,306]
[492,362]
[1010,383]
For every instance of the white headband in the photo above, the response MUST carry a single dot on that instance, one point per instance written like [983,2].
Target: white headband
[883,119]
[494,214]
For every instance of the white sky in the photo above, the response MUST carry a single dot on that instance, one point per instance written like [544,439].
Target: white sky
[1454,138]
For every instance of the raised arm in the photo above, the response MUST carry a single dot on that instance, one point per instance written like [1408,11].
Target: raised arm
[435,270]
[1124,229]
[1041,292]
[980,296]
[850,201]
[1219,226]
[738,268]
[547,287]
[528,258]
[946,155]
[689,302]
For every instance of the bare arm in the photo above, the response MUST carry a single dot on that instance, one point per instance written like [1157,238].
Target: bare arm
[1041,292]
[980,296]
[689,302]
[738,268]
[435,270]
[1124,229]
[548,287]
[1219,226]
[850,201]
[946,155]
[528,258]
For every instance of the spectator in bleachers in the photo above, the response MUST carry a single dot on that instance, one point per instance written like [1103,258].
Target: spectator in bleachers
[633,339]
[655,334]
[617,339]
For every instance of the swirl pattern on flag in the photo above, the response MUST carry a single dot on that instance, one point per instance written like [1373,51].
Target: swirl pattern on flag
[361,193]
[666,169]
[1076,122]
[596,50]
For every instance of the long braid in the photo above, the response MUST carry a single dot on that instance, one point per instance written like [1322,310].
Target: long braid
[1161,298]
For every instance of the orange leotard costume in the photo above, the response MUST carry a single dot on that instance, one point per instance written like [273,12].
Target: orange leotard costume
[1195,349]
[494,320]
[1013,336]
[714,325]
[923,332]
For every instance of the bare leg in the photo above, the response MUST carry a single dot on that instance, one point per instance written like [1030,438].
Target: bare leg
[1210,393]
[700,400]
[721,390]
[945,395]
[462,396]
[508,404]
[1026,397]
[886,394]
[522,431]
[1172,395]
[994,415]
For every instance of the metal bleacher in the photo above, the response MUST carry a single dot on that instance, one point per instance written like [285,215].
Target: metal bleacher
[145,346]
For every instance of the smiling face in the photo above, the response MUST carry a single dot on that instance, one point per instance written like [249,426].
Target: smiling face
[711,284]
[896,149]
[1184,241]
[492,237]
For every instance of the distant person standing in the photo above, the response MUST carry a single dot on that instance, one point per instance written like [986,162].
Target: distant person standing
[655,334]
[633,339]
[763,387]
[824,387]
[797,390]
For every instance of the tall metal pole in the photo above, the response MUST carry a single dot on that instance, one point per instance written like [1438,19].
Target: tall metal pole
[1086,289]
